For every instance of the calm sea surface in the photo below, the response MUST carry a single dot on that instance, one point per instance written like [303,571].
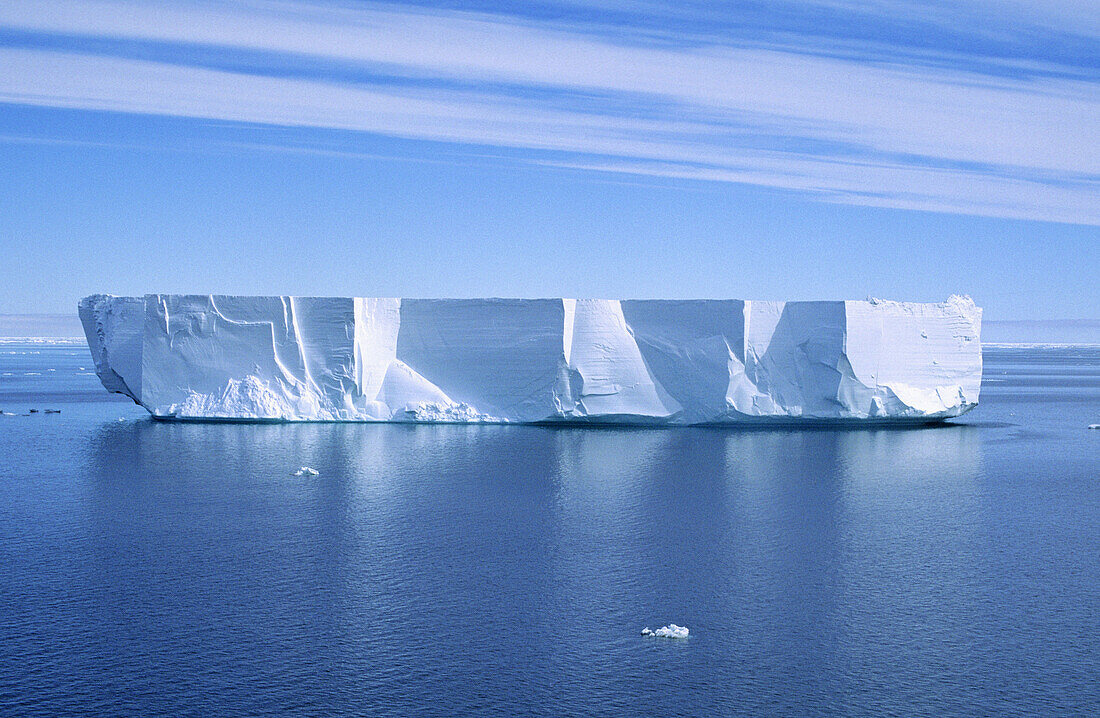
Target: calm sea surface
[156,569]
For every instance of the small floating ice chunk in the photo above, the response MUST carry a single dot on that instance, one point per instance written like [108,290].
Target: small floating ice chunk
[669,631]
[306,471]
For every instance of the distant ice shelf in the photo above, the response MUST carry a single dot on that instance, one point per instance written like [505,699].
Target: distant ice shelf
[653,362]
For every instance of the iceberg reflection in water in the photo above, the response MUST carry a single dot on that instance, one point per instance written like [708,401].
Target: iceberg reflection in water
[786,550]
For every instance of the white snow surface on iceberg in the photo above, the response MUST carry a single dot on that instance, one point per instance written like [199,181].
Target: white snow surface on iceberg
[656,362]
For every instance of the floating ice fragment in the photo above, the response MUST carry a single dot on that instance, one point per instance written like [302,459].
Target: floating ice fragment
[306,471]
[669,631]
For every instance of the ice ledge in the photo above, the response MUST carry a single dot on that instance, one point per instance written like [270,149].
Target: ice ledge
[654,362]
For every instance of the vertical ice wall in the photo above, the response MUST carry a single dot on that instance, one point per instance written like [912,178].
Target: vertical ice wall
[694,350]
[375,334]
[114,328]
[792,359]
[655,361]
[260,357]
[609,377]
[504,357]
[907,358]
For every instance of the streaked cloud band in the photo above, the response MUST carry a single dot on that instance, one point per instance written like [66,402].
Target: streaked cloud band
[843,119]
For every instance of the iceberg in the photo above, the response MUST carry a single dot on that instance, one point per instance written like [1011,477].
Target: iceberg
[669,631]
[570,361]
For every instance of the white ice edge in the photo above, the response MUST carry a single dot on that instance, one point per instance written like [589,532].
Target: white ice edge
[652,362]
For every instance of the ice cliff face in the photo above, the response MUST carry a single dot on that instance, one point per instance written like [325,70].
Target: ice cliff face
[538,360]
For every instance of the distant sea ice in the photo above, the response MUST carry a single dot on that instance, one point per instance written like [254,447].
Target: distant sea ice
[306,471]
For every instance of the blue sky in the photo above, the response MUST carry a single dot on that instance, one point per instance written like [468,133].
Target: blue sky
[780,150]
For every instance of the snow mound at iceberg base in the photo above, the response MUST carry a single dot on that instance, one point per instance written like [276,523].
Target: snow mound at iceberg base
[653,362]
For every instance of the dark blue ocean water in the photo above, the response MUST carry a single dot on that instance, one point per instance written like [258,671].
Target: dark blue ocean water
[156,569]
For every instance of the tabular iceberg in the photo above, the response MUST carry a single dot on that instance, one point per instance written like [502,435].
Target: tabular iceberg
[659,362]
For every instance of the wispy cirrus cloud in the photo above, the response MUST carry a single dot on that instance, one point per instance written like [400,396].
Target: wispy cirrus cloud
[886,109]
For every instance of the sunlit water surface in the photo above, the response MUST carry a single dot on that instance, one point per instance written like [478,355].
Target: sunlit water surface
[181,569]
